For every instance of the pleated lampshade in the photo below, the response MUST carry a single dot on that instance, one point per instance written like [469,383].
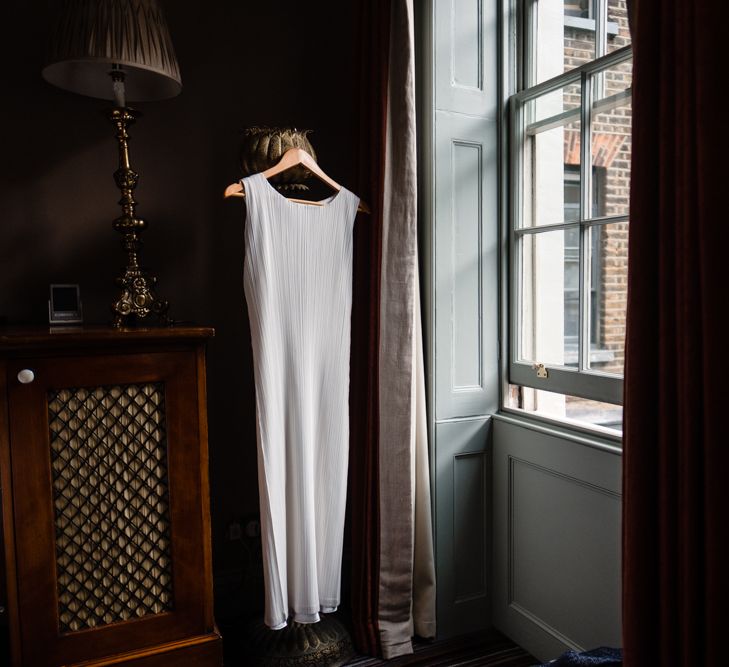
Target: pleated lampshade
[90,36]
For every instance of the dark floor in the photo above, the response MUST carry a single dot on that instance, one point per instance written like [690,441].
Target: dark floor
[474,650]
[489,649]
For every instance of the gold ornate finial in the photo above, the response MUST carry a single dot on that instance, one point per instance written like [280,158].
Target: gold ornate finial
[262,147]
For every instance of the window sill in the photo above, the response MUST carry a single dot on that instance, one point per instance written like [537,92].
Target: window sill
[584,434]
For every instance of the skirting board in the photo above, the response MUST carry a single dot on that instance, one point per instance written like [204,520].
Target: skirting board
[201,651]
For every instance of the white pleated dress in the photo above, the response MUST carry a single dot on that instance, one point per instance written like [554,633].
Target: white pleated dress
[298,286]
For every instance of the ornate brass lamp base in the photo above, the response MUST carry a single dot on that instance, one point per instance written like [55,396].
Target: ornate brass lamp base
[137,298]
[323,644]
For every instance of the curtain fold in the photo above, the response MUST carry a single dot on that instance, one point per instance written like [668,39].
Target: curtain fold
[423,612]
[373,54]
[676,452]
[398,376]
[393,575]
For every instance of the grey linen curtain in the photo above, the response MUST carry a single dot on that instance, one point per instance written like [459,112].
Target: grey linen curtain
[406,604]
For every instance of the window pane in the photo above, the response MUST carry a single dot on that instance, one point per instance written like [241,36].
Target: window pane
[548,107]
[565,36]
[561,406]
[571,295]
[548,278]
[618,32]
[607,415]
[608,296]
[551,167]
[611,128]
[617,78]
[579,8]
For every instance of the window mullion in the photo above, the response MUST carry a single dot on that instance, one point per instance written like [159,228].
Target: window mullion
[606,62]
[517,202]
[529,71]
[600,44]
[586,185]
[600,28]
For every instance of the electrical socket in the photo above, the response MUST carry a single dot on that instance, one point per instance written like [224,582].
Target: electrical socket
[253,528]
[234,531]
[243,528]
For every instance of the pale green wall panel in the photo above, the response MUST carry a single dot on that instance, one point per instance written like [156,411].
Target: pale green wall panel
[460,221]
[466,267]
[461,519]
[556,532]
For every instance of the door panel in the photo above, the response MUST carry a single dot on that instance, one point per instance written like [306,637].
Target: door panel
[461,525]
[97,445]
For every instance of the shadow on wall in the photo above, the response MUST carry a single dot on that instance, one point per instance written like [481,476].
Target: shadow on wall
[284,63]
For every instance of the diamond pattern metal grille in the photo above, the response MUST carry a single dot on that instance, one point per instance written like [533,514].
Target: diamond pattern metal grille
[111,500]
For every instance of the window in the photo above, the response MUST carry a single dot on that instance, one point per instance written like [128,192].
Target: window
[569,177]
[580,14]
[580,8]
[572,268]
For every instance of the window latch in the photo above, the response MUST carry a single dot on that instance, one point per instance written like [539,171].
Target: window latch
[542,372]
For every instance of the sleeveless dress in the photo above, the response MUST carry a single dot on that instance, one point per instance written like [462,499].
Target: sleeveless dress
[298,287]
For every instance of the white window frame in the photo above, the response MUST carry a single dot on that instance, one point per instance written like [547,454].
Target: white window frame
[580,381]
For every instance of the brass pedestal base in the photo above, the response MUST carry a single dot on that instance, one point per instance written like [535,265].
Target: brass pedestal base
[323,644]
[137,299]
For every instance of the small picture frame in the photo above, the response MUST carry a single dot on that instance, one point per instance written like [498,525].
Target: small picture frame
[64,306]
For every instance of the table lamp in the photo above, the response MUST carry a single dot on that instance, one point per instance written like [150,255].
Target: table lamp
[118,50]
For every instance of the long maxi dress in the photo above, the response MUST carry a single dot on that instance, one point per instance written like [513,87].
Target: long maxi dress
[298,287]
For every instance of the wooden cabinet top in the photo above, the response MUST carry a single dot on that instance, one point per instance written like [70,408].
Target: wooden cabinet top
[32,338]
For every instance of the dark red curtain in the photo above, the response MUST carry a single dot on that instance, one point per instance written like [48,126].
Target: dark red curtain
[373,55]
[676,460]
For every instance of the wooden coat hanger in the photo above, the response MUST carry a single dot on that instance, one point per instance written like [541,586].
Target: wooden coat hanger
[291,158]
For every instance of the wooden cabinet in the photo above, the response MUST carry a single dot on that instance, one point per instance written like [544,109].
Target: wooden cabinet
[103,455]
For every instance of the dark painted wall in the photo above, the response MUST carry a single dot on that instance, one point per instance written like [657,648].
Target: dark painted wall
[242,63]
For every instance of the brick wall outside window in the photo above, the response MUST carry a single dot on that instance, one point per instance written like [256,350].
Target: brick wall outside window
[611,157]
